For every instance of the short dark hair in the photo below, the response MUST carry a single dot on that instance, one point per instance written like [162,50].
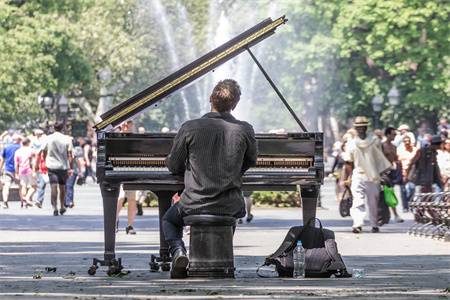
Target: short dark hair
[58,126]
[26,141]
[225,95]
[389,130]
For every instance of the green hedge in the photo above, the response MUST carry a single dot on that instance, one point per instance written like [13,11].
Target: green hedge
[263,199]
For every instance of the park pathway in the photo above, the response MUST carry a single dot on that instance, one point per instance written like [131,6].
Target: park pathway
[397,266]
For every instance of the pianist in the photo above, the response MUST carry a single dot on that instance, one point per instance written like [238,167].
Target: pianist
[212,153]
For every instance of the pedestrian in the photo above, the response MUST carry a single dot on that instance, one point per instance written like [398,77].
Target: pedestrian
[25,159]
[88,156]
[424,169]
[369,164]
[8,165]
[127,195]
[248,206]
[72,179]
[406,153]
[443,159]
[212,153]
[42,178]
[404,131]
[395,174]
[57,152]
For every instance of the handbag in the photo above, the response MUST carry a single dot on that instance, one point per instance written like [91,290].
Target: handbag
[346,203]
[322,259]
[389,196]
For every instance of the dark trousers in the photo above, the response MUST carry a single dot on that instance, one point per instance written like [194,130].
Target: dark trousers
[173,226]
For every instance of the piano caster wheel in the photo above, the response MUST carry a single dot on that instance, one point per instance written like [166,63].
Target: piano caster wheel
[165,267]
[92,270]
[115,267]
[154,267]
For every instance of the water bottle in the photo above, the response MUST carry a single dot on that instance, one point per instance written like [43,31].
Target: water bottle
[299,260]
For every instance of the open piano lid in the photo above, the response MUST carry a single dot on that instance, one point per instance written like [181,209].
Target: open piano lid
[187,74]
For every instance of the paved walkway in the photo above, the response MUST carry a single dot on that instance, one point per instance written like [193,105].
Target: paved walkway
[397,265]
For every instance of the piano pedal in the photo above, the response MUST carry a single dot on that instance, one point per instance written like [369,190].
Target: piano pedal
[114,266]
[157,262]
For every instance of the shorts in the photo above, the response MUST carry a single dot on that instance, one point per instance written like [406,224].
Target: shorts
[126,193]
[57,176]
[27,180]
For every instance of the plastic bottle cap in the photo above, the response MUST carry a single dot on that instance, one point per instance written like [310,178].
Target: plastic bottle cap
[299,243]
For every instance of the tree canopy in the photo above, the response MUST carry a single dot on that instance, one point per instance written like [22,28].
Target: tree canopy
[330,59]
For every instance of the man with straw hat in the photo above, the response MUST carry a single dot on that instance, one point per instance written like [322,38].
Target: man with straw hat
[369,163]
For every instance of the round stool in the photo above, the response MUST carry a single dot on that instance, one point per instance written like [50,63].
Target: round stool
[211,246]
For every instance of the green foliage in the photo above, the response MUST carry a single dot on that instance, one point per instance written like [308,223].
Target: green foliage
[331,58]
[277,199]
[405,42]
[38,53]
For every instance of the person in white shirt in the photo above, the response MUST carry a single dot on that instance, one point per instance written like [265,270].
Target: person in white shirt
[369,163]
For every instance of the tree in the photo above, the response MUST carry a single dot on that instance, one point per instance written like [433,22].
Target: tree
[382,42]
[38,54]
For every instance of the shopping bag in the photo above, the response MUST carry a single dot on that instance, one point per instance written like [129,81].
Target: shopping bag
[389,196]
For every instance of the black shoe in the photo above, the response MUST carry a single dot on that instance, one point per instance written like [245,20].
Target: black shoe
[55,212]
[357,229]
[38,204]
[249,218]
[375,229]
[62,211]
[130,230]
[5,205]
[180,261]
[140,212]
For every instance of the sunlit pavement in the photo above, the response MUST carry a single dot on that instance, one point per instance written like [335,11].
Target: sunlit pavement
[396,265]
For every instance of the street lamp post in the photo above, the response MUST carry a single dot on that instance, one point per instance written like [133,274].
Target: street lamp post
[377,106]
[46,101]
[394,100]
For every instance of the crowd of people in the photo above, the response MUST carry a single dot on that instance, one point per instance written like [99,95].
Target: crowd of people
[47,156]
[363,162]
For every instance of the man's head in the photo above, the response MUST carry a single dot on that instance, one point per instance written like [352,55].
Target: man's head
[361,123]
[407,141]
[26,142]
[390,133]
[58,126]
[38,132]
[225,96]
[16,138]
[447,144]
[127,126]
[436,141]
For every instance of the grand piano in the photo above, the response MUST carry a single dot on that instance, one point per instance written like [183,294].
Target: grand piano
[286,162]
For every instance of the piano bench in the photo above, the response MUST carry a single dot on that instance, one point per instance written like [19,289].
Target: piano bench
[211,246]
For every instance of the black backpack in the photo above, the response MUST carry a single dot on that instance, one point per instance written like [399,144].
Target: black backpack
[321,258]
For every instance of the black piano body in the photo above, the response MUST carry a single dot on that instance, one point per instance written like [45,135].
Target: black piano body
[286,162]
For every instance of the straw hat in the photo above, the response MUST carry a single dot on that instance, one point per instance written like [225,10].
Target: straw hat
[403,127]
[361,121]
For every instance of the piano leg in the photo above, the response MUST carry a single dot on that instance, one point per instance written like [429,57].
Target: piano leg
[110,193]
[164,203]
[309,197]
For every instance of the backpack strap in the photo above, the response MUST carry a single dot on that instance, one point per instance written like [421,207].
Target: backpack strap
[288,243]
